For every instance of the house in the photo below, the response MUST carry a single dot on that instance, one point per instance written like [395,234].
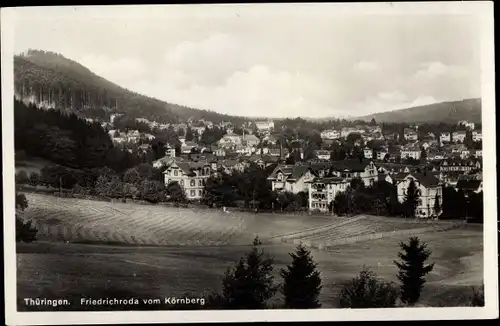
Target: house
[429,188]
[410,134]
[270,140]
[435,155]
[477,153]
[264,161]
[264,125]
[291,178]
[220,152]
[382,177]
[230,140]
[466,124]
[459,165]
[250,140]
[349,169]
[411,151]
[381,153]
[191,176]
[477,135]
[368,152]
[198,130]
[459,136]
[391,136]
[392,168]
[445,137]
[323,154]
[148,136]
[346,131]
[469,185]
[322,192]
[330,134]
[188,146]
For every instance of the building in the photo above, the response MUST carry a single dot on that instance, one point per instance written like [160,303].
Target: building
[291,178]
[264,125]
[368,152]
[188,146]
[330,134]
[191,176]
[459,136]
[429,188]
[477,135]
[346,131]
[413,152]
[113,117]
[323,154]
[251,140]
[469,185]
[322,192]
[477,153]
[466,124]
[381,153]
[459,165]
[445,137]
[349,169]
[410,134]
[230,140]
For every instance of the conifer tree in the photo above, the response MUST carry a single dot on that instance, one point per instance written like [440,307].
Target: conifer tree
[412,269]
[437,205]
[411,199]
[302,281]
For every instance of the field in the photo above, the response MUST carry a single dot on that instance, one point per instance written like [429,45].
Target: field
[91,248]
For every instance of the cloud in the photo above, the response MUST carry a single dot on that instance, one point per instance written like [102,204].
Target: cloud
[366,66]
[432,70]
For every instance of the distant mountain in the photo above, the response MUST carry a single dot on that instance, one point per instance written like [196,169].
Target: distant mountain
[51,80]
[447,112]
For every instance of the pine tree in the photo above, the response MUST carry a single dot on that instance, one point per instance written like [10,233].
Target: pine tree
[302,281]
[412,199]
[250,284]
[412,269]
[437,205]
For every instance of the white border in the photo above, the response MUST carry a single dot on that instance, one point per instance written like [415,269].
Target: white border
[482,9]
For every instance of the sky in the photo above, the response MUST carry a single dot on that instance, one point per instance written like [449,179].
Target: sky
[264,60]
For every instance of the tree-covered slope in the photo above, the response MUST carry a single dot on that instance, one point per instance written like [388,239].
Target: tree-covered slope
[51,79]
[446,112]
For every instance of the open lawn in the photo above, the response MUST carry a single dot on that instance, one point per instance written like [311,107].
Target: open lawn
[176,265]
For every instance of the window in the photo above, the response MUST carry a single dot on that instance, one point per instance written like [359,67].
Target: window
[193,183]
[182,183]
[193,193]
[176,173]
[199,193]
[200,183]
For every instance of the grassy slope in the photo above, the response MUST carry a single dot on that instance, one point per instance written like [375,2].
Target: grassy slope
[449,112]
[56,270]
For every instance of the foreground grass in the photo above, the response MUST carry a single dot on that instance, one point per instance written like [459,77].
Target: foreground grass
[57,270]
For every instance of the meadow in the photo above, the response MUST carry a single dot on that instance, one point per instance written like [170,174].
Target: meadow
[93,249]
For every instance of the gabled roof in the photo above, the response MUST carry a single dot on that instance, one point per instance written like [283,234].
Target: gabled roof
[425,178]
[329,180]
[468,184]
[291,172]
[354,165]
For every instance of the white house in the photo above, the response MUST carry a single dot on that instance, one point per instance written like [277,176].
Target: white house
[264,125]
[191,176]
[355,168]
[322,192]
[477,135]
[459,136]
[429,189]
[411,152]
[445,137]
[330,134]
[291,178]
[381,153]
[368,152]
[410,134]
[230,140]
[467,124]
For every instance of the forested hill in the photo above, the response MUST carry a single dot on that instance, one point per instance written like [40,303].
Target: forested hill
[51,80]
[444,112]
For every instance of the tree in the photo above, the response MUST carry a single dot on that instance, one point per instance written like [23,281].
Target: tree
[365,291]
[22,177]
[412,199]
[250,284]
[412,269]
[340,204]
[34,179]
[437,205]
[152,191]
[302,281]
[25,231]
[477,298]
[423,156]
[189,134]
[176,193]
[373,122]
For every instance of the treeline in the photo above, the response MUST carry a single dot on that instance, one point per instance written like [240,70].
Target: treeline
[49,76]
[462,204]
[66,139]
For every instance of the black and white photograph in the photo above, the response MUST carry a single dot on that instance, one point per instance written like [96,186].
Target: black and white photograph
[249,162]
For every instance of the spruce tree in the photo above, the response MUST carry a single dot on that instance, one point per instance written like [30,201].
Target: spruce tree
[412,269]
[248,285]
[437,205]
[411,199]
[302,281]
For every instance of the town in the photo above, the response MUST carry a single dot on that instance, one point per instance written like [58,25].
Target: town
[317,163]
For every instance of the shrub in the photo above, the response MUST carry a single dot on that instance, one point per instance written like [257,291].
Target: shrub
[477,298]
[25,232]
[22,177]
[34,179]
[152,191]
[365,291]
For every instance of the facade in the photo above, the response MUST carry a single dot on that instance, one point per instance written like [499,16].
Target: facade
[380,154]
[191,176]
[330,134]
[368,153]
[323,154]
[251,140]
[230,140]
[410,135]
[459,136]
[291,178]
[429,188]
[355,168]
[322,192]
[467,124]
[445,137]
[477,135]
[411,152]
[264,125]
[458,165]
